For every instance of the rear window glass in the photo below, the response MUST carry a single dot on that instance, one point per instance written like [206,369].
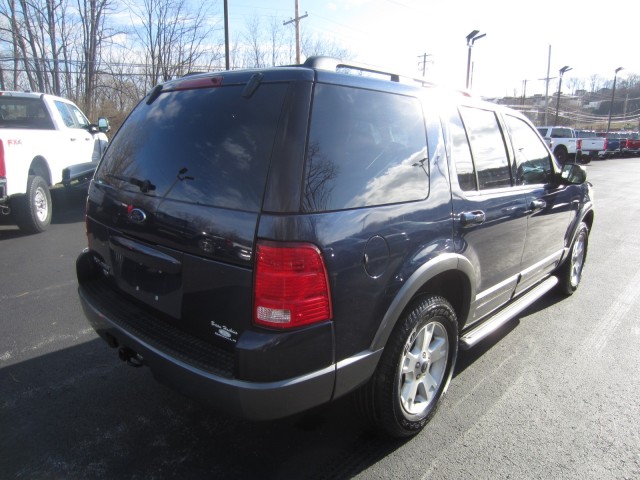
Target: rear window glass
[206,146]
[20,112]
[365,148]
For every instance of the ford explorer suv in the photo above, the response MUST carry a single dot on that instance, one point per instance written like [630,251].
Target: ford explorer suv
[268,241]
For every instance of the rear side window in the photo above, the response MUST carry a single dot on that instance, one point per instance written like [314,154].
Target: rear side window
[365,148]
[461,154]
[487,147]
[205,146]
[533,162]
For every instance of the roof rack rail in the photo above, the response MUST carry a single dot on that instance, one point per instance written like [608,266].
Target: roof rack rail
[333,64]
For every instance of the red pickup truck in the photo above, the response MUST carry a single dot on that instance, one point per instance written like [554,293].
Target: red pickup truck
[633,144]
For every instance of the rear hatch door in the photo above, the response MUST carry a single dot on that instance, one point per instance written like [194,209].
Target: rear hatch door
[174,205]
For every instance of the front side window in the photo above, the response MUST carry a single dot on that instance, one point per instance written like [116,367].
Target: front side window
[81,120]
[65,113]
[533,162]
[365,148]
[488,148]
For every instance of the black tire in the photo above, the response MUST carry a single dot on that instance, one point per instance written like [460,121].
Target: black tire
[33,209]
[561,155]
[417,364]
[570,273]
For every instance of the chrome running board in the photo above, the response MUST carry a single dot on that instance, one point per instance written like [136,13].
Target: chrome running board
[473,336]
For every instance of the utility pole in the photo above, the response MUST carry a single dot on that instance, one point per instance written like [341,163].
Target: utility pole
[424,62]
[546,92]
[297,22]
[226,35]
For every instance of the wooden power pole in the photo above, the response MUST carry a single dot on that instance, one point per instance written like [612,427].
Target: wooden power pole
[297,22]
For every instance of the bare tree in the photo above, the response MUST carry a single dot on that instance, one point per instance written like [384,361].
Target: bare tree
[173,37]
[315,45]
[254,52]
[94,34]
[595,82]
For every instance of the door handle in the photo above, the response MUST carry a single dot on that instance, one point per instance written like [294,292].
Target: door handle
[537,204]
[472,218]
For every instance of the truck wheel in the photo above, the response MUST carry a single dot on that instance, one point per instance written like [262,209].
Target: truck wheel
[571,270]
[414,370]
[561,155]
[33,209]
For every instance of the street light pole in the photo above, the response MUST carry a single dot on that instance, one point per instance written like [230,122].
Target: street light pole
[613,95]
[562,70]
[471,38]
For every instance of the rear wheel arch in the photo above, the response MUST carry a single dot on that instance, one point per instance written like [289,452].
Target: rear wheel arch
[449,276]
[39,167]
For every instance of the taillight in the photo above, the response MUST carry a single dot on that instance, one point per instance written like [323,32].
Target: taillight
[291,285]
[606,143]
[3,169]
[579,144]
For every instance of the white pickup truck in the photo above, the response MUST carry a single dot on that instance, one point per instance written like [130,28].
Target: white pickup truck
[565,143]
[44,140]
[591,145]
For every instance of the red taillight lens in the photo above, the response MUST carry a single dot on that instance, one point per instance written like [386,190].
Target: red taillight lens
[291,285]
[579,144]
[606,143]
[3,169]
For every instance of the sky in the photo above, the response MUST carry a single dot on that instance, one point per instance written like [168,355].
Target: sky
[591,38]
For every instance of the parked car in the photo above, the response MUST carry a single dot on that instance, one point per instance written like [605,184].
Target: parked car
[565,142]
[590,145]
[633,143]
[268,241]
[616,143]
[44,140]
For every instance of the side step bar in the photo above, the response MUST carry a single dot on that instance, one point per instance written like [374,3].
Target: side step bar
[473,336]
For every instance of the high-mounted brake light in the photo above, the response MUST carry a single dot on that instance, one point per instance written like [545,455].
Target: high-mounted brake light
[291,285]
[200,82]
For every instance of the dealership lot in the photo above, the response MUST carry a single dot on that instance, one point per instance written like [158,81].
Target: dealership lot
[555,394]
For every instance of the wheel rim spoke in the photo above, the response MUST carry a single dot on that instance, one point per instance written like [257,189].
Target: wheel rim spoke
[422,368]
[438,350]
[577,260]
[40,201]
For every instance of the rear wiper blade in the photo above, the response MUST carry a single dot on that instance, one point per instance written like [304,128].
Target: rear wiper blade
[144,185]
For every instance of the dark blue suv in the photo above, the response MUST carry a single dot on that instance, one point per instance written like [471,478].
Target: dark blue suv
[268,241]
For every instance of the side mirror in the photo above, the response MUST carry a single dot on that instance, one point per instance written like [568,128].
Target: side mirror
[573,174]
[103,125]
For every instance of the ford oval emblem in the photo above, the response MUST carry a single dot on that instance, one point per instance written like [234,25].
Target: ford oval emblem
[137,216]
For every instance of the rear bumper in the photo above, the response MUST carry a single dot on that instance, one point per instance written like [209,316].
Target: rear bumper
[218,377]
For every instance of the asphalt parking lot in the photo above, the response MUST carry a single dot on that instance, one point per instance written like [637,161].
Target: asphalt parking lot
[554,394]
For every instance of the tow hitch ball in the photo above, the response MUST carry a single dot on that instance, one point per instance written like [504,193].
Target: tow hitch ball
[130,357]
